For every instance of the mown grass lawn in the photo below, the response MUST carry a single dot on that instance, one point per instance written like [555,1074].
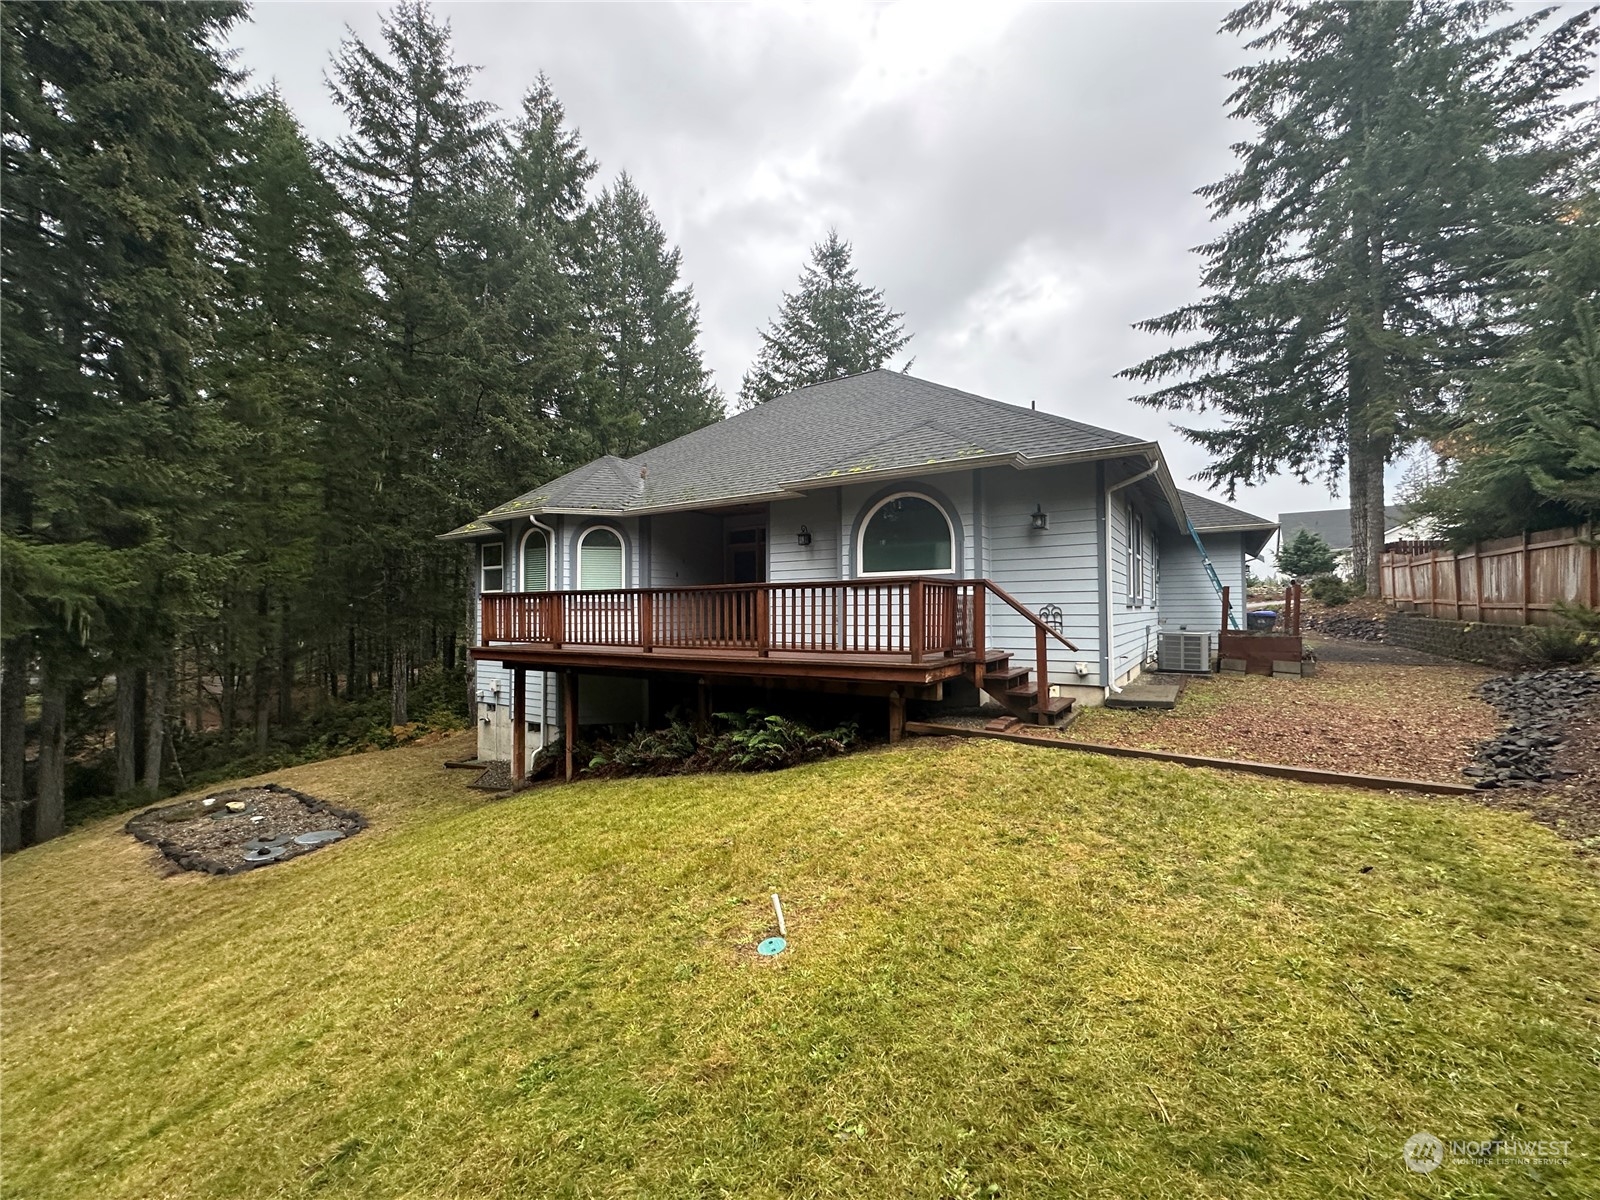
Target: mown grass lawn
[1013,972]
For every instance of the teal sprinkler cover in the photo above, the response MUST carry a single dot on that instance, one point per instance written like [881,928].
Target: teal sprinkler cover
[771,946]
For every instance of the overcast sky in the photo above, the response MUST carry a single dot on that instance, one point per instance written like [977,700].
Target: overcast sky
[1019,180]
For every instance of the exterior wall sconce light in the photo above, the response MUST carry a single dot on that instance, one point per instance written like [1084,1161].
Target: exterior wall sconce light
[804,537]
[1040,518]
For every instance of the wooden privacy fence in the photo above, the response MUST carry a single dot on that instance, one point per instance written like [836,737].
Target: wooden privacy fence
[1507,581]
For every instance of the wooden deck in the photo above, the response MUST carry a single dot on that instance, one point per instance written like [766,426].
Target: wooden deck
[892,637]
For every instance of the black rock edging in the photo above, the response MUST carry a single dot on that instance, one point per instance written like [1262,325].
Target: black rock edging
[1347,626]
[192,861]
[1536,706]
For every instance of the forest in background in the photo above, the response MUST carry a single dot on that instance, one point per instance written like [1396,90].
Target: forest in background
[249,377]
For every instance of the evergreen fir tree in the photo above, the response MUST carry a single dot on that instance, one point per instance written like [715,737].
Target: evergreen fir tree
[1525,452]
[1308,554]
[832,326]
[416,172]
[114,121]
[649,384]
[1403,152]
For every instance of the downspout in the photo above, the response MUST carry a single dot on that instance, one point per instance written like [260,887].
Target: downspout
[1111,611]
[544,676]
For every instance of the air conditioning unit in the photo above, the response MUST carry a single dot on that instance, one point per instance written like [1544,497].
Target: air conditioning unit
[1184,651]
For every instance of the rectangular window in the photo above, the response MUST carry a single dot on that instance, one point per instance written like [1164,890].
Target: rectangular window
[493,561]
[1136,564]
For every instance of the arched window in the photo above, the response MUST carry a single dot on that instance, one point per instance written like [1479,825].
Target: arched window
[600,560]
[535,561]
[907,534]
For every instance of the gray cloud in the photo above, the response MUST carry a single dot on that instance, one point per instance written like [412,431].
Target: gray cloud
[1021,186]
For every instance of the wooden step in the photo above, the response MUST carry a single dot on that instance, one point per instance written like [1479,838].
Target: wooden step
[1004,678]
[1003,724]
[1054,706]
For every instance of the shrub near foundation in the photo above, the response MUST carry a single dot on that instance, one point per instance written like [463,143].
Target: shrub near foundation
[752,741]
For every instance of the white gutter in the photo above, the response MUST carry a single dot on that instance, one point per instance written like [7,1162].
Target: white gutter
[1111,610]
[544,676]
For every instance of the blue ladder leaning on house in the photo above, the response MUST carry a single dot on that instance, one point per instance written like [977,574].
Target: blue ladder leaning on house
[1233,612]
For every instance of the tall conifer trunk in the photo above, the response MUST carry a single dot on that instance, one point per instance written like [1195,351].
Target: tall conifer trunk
[127,728]
[155,724]
[49,809]
[13,741]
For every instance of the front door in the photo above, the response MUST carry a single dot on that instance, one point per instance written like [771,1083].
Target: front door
[745,556]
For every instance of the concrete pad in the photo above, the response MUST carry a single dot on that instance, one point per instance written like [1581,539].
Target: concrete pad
[1233,666]
[1145,695]
[1285,667]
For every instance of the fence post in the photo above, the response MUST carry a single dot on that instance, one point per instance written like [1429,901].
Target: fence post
[1527,576]
[1477,570]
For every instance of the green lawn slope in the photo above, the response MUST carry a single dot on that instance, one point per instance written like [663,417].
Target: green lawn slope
[1013,972]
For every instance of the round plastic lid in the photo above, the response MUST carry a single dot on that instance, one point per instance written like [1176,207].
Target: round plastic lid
[771,946]
[317,836]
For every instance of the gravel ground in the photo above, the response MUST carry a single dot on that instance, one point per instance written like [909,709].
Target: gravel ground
[216,840]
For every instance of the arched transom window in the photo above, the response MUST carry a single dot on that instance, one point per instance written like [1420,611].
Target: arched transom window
[600,560]
[907,534]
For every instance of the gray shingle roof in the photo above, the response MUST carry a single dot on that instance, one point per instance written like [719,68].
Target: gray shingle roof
[1332,524]
[874,422]
[1209,514]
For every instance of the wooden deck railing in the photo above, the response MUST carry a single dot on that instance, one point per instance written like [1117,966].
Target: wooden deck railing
[915,618]
[909,617]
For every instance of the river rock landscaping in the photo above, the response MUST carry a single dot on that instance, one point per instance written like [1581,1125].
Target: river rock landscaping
[240,830]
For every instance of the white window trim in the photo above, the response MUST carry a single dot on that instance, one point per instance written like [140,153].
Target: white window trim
[577,553]
[1136,559]
[522,559]
[861,538]
[485,567]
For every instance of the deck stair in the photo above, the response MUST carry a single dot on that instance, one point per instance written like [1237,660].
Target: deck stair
[1013,688]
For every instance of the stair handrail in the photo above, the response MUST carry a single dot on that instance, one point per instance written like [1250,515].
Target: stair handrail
[1041,660]
[1026,612]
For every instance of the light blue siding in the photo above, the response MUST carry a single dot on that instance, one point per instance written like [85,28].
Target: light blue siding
[1188,601]
[790,562]
[1058,565]
[1134,625]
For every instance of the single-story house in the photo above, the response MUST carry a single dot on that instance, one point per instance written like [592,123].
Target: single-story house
[878,534]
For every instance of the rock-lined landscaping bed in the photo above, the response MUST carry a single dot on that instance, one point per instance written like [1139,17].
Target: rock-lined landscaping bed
[240,830]
[1538,707]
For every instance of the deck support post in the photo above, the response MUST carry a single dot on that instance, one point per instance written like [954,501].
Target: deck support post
[519,726]
[569,708]
[897,715]
[702,708]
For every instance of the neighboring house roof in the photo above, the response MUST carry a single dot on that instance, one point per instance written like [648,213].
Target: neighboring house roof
[875,423]
[1332,524]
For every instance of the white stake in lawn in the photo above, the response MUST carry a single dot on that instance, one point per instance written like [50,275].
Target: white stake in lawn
[774,945]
